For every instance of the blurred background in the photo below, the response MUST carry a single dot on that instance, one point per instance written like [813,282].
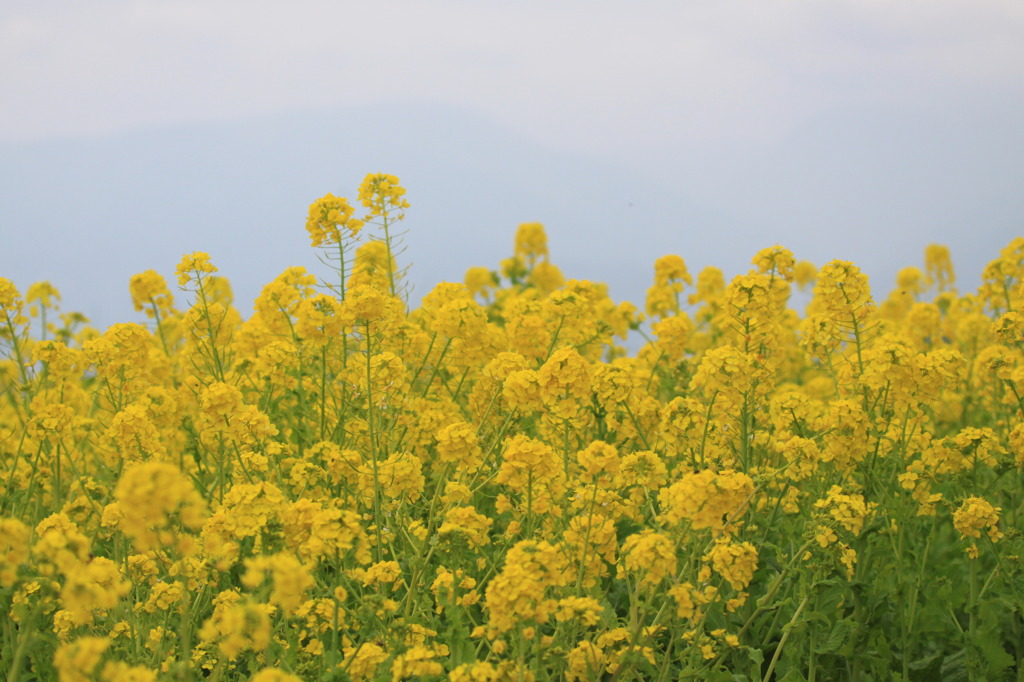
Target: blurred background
[134,131]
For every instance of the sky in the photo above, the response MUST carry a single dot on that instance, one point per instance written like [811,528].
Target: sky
[134,131]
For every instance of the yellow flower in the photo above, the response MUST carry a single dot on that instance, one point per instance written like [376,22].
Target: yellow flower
[849,510]
[153,497]
[939,266]
[725,374]
[480,281]
[975,515]
[446,588]
[374,267]
[842,292]
[458,444]
[330,221]
[585,662]
[14,536]
[848,557]
[478,671]
[707,499]
[314,533]
[565,381]
[775,260]
[42,293]
[400,476]
[320,319]
[415,662]
[531,242]
[736,562]
[194,267]
[805,273]
[689,600]
[94,587]
[274,675]
[149,292]
[382,572]
[599,459]
[518,593]
[673,333]
[521,391]
[825,536]
[12,305]
[671,268]
[236,625]
[381,193]
[650,554]
[163,596]
[587,609]
[290,577]
[670,274]
[76,660]
[473,525]
[547,277]
[643,469]
[366,305]
[361,662]
[117,671]
[251,506]
[532,468]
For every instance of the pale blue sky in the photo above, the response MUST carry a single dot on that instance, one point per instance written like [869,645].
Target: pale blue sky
[132,132]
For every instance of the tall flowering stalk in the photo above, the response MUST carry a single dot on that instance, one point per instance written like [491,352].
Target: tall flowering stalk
[333,228]
[383,197]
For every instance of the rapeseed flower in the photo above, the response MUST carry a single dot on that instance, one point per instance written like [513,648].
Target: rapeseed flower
[153,498]
[75,661]
[651,555]
[707,499]
[736,562]
[14,548]
[331,221]
[194,267]
[518,593]
[974,516]
[289,576]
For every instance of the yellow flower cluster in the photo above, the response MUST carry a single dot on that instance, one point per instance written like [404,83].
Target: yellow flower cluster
[518,593]
[670,275]
[650,554]
[380,192]
[330,220]
[736,562]
[707,499]
[849,510]
[974,516]
[488,484]
[155,502]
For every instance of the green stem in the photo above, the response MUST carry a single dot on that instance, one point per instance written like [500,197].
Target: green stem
[786,630]
[24,637]
[373,449]
[972,626]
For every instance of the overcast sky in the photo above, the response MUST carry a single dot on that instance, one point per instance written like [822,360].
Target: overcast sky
[134,131]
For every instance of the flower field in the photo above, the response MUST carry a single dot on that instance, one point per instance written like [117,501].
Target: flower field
[492,487]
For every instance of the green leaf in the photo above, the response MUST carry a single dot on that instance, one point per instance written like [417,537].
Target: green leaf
[954,668]
[996,657]
[756,657]
[925,662]
[794,675]
[815,617]
[837,638]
